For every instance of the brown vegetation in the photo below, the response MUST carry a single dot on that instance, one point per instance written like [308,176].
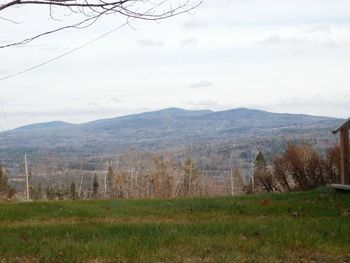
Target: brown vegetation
[164,179]
[301,167]
[6,192]
[145,175]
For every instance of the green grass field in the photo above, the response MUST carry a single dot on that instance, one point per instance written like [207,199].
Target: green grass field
[292,227]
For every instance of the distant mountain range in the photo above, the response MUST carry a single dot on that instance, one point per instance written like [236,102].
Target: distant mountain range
[157,130]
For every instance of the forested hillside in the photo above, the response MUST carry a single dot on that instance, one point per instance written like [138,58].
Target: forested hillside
[239,130]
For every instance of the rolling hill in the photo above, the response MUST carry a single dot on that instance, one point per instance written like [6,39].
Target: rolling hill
[157,130]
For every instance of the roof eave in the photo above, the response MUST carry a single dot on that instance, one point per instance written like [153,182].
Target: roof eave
[346,124]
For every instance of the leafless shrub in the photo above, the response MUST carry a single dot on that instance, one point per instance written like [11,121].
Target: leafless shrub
[160,178]
[263,178]
[279,172]
[248,188]
[267,180]
[6,191]
[300,167]
[35,192]
[332,164]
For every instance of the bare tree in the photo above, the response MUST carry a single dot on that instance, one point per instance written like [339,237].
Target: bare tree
[81,190]
[5,189]
[89,11]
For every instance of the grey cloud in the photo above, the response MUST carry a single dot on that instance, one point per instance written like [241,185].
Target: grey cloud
[331,44]
[300,40]
[71,112]
[116,100]
[325,29]
[228,3]
[195,24]
[31,88]
[149,43]
[314,105]
[318,101]
[278,39]
[94,104]
[207,104]
[17,117]
[200,84]
[4,71]
[61,112]
[189,42]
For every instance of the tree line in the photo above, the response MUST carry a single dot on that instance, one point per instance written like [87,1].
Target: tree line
[298,167]
[155,178]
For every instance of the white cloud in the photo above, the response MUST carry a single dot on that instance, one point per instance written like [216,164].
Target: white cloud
[4,72]
[337,105]
[116,100]
[314,36]
[200,84]
[189,42]
[278,39]
[202,104]
[325,29]
[149,43]
[254,51]
[195,24]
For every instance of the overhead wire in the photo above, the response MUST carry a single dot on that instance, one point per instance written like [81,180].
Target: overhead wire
[2,108]
[61,56]
[130,19]
[64,54]
[51,60]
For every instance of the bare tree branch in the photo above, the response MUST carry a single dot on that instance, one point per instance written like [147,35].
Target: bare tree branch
[93,10]
[10,20]
[79,25]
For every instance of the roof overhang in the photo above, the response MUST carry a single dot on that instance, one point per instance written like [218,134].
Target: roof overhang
[344,125]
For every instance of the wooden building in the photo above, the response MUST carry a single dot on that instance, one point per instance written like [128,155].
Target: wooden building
[344,180]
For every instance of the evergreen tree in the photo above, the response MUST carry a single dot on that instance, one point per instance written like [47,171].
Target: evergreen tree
[35,192]
[190,177]
[6,191]
[263,180]
[73,191]
[260,162]
[95,186]
[39,191]
[110,183]
[50,194]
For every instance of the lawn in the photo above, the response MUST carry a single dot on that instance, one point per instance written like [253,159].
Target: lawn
[290,227]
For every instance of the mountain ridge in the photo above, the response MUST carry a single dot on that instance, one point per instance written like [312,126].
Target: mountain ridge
[168,130]
[168,112]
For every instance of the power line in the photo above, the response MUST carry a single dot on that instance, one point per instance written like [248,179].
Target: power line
[167,15]
[64,54]
[72,51]
[49,61]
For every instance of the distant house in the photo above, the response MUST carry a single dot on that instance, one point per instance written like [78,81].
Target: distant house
[344,180]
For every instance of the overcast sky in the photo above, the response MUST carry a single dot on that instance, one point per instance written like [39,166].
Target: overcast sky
[281,56]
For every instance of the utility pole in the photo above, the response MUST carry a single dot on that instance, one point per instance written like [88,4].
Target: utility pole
[105,193]
[252,176]
[27,176]
[253,169]
[106,174]
[231,173]
[81,179]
